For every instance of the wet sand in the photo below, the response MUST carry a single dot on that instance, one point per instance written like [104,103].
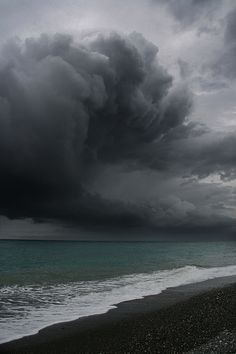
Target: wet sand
[196,318]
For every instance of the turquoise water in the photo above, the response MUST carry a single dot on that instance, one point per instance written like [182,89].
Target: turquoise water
[43,282]
[37,262]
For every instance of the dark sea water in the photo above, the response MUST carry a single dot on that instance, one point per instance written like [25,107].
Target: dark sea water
[43,282]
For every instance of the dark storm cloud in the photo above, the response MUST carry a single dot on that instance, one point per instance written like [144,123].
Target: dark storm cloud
[70,109]
[186,152]
[217,157]
[66,106]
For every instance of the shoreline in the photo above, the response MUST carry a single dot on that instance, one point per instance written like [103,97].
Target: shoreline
[72,334]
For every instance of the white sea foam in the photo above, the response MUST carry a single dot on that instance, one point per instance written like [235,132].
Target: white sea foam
[27,309]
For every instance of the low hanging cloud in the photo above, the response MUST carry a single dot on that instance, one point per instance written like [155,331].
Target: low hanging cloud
[67,106]
[71,109]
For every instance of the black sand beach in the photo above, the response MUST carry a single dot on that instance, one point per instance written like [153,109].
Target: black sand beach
[197,318]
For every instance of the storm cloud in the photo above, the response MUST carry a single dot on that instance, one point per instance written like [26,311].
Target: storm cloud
[100,127]
[66,107]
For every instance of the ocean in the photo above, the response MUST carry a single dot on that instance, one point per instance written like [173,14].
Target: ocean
[45,282]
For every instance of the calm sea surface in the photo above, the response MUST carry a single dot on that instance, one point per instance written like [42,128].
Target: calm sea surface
[43,282]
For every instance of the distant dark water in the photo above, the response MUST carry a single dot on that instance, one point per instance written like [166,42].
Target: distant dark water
[43,282]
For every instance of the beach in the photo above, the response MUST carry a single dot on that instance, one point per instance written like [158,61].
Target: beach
[194,318]
[118,177]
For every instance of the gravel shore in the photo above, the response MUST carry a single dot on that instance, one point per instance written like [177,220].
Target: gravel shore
[198,318]
[224,343]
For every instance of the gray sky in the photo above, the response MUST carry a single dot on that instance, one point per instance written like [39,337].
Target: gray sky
[122,114]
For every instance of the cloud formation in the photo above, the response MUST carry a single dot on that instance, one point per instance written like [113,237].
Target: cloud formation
[66,107]
[94,130]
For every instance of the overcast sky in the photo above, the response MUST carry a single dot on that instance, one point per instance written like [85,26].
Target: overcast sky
[117,114]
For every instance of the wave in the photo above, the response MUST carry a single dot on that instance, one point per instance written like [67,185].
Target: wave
[27,309]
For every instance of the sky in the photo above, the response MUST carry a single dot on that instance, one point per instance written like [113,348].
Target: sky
[117,115]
